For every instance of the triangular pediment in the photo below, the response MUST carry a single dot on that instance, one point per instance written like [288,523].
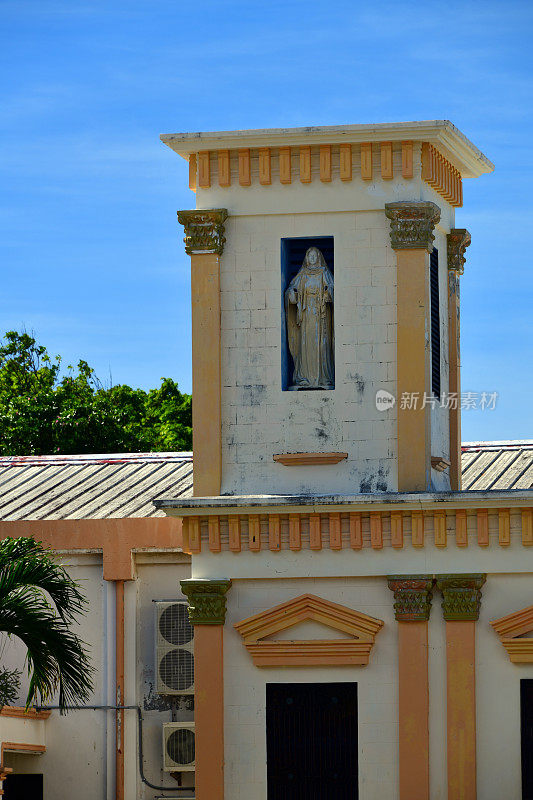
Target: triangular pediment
[359,632]
[511,630]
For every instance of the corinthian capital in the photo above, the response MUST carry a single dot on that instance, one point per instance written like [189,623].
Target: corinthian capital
[412,224]
[204,230]
[412,596]
[461,596]
[458,240]
[207,600]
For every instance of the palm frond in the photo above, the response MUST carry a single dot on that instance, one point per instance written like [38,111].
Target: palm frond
[23,562]
[57,660]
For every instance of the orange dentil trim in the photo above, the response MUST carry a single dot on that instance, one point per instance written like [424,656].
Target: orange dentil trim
[325,163]
[265,176]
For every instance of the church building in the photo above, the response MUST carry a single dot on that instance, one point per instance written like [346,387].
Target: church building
[360,622]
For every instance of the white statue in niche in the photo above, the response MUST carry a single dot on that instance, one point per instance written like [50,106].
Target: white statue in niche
[309,318]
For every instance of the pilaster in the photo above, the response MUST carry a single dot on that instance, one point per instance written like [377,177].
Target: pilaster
[412,606]
[457,241]
[412,225]
[204,242]
[460,605]
[207,612]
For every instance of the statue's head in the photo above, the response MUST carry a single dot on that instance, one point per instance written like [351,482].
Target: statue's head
[314,258]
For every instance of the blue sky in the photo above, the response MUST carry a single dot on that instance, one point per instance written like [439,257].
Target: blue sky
[92,257]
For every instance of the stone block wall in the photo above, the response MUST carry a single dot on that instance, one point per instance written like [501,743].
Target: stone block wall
[259,419]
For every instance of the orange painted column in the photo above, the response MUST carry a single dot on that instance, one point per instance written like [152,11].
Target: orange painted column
[204,242]
[207,612]
[412,606]
[460,605]
[412,225]
[119,685]
[457,241]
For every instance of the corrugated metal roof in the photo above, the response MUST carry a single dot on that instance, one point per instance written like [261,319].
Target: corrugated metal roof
[497,465]
[91,486]
[125,484]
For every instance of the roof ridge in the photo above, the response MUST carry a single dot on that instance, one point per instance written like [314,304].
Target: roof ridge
[95,458]
[504,444]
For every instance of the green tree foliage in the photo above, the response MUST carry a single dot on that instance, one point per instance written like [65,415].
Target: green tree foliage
[39,603]
[43,412]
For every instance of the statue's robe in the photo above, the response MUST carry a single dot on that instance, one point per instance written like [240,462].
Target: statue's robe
[309,316]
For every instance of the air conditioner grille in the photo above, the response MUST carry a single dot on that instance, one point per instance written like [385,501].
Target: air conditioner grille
[180,746]
[176,669]
[174,625]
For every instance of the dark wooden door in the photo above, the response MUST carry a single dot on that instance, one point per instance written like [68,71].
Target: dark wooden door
[526,712]
[23,787]
[312,741]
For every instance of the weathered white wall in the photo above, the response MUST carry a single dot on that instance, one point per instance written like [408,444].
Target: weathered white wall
[498,690]
[259,419]
[245,692]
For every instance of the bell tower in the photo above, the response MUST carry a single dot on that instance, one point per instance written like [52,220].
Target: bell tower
[325,268]
[379,410]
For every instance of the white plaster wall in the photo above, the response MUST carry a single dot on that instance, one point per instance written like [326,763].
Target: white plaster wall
[498,690]
[258,418]
[497,687]
[245,686]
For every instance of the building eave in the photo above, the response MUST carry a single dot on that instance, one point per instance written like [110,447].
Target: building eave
[461,152]
[272,504]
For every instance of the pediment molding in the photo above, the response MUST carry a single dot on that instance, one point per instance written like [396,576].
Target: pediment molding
[360,629]
[510,629]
